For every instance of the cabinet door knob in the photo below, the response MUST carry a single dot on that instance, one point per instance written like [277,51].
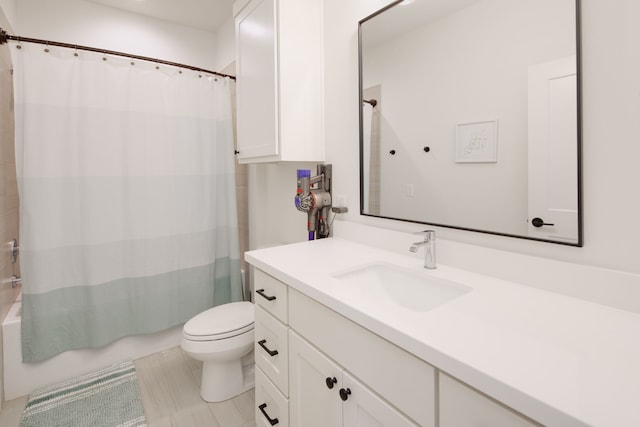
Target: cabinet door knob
[344,393]
[263,409]
[265,296]
[331,381]
[262,343]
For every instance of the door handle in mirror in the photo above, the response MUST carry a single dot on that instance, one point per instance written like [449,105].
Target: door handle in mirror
[539,222]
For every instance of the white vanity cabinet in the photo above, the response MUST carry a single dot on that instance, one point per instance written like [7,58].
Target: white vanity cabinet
[461,406]
[271,351]
[324,394]
[315,367]
[279,80]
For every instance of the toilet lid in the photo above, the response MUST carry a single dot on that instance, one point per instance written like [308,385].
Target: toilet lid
[219,322]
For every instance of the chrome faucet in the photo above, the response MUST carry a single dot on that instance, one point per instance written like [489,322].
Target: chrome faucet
[429,244]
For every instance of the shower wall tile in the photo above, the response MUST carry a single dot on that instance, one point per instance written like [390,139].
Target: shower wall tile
[8,232]
[8,188]
[242,183]
[7,293]
[7,154]
[7,151]
[8,192]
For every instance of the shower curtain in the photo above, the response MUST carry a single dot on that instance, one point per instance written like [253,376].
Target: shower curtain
[128,221]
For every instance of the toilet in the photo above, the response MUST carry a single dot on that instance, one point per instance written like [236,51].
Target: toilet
[222,338]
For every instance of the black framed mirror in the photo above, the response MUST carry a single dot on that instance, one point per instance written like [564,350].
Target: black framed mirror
[470,116]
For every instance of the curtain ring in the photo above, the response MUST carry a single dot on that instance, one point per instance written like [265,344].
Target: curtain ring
[75,53]
[46,48]
[18,45]
[104,55]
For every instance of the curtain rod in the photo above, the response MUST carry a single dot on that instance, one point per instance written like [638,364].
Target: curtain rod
[373,102]
[4,38]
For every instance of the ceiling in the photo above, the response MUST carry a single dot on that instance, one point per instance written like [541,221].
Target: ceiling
[206,15]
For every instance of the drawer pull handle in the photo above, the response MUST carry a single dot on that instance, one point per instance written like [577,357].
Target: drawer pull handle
[265,296]
[262,343]
[331,381]
[272,421]
[344,393]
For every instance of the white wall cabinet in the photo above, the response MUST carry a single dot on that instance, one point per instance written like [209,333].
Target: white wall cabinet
[324,394]
[279,71]
[461,406]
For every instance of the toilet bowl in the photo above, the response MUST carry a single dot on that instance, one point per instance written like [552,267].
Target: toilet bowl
[222,338]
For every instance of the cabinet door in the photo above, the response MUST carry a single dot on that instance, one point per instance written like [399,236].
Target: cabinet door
[312,403]
[365,409]
[461,406]
[256,88]
[410,385]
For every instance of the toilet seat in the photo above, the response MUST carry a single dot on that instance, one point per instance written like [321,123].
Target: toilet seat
[220,322]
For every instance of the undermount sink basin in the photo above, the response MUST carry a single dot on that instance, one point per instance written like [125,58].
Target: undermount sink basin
[414,290]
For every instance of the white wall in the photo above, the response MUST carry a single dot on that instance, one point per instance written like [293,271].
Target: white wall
[7,14]
[225,47]
[611,107]
[91,24]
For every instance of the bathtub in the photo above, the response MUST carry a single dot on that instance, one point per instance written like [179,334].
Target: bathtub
[21,379]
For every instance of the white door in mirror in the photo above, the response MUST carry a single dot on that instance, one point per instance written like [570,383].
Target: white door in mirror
[552,142]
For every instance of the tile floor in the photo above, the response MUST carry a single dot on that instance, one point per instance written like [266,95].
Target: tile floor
[169,385]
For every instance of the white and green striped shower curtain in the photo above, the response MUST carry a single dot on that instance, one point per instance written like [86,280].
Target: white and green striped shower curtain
[128,221]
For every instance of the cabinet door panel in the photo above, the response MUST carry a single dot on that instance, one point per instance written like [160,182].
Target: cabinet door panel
[461,406]
[256,100]
[312,403]
[363,408]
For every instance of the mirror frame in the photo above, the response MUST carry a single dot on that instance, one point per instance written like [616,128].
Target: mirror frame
[579,188]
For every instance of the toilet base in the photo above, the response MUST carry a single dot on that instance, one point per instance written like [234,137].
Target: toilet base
[224,380]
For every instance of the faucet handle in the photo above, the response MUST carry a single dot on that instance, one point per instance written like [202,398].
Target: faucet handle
[427,233]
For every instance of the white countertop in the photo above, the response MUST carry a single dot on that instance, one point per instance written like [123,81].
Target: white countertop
[559,360]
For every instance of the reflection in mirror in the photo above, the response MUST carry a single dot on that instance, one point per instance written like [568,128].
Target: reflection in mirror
[470,116]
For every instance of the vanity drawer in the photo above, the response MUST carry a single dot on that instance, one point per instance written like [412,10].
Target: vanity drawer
[272,349]
[271,294]
[270,403]
[402,379]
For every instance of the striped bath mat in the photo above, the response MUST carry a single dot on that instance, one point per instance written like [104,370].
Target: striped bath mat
[106,398]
